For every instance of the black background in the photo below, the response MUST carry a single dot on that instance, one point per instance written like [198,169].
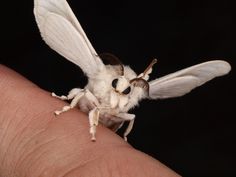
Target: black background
[194,134]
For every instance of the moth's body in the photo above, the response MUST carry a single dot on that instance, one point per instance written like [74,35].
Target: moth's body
[112,89]
[101,87]
[111,104]
[111,100]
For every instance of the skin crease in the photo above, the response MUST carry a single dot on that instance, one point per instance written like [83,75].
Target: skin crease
[33,142]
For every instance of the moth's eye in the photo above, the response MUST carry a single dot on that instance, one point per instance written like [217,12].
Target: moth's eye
[127,91]
[114,83]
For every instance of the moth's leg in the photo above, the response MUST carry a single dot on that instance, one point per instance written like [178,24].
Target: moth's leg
[128,129]
[93,114]
[70,96]
[92,99]
[63,97]
[125,116]
[73,103]
[93,122]
[130,118]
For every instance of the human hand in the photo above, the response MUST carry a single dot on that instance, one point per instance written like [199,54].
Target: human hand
[33,142]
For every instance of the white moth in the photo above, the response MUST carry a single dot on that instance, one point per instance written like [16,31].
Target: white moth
[112,89]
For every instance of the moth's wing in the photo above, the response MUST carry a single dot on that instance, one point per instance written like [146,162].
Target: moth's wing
[183,81]
[62,32]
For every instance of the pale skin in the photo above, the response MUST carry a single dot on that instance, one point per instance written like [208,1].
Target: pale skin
[33,142]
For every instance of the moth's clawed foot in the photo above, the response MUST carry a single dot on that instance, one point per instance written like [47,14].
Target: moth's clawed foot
[57,113]
[59,97]
[93,132]
[64,109]
[125,138]
[53,94]
[93,139]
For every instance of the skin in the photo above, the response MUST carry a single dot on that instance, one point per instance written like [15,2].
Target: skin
[33,142]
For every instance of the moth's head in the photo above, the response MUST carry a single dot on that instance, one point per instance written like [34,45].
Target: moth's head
[121,85]
[126,80]
[124,86]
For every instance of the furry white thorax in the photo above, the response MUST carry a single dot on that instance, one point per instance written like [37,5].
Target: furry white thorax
[112,100]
